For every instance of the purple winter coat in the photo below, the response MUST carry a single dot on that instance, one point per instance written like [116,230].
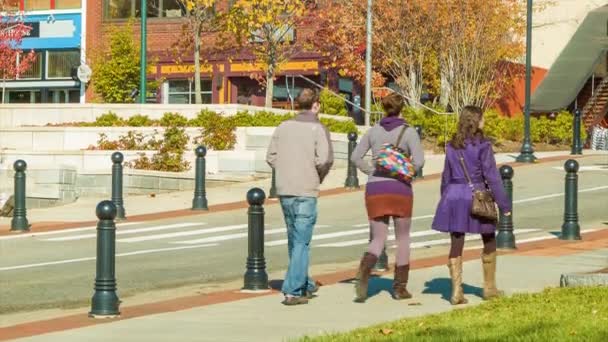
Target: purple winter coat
[454,209]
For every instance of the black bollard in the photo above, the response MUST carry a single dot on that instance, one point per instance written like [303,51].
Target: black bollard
[505,238]
[571,229]
[19,222]
[273,185]
[352,181]
[105,302]
[577,145]
[117,159]
[199,202]
[420,173]
[256,278]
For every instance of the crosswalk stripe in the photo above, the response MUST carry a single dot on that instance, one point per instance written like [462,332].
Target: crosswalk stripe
[63,231]
[366,241]
[416,218]
[125,232]
[238,236]
[322,236]
[429,243]
[188,233]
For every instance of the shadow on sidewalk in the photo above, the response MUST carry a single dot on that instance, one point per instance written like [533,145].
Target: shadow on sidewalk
[443,286]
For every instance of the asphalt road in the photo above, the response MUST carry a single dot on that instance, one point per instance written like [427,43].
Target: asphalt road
[58,268]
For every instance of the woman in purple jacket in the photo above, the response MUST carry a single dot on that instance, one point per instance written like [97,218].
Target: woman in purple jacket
[453,213]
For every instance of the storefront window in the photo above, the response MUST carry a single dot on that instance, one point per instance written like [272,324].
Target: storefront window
[37,5]
[35,69]
[67,4]
[64,96]
[182,92]
[60,63]
[24,96]
[123,9]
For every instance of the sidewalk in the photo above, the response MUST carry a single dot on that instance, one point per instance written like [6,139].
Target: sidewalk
[232,316]
[177,204]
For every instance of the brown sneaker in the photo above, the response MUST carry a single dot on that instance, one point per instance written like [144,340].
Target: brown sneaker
[290,301]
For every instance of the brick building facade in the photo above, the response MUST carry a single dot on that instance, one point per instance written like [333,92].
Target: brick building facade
[224,81]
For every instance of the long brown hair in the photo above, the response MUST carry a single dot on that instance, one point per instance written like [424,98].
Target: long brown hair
[468,126]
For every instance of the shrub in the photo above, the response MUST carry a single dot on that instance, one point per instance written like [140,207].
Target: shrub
[217,132]
[261,119]
[109,119]
[173,120]
[332,104]
[140,121]
[339,126]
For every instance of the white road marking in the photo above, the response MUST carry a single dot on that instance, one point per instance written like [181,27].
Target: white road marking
[540,238]
[532,199]
[413,219]
[126,232]
[321,236]
[422,244]
[62,231]
[366,241]
[585,168]
[71,261]
[188,233]
[238,236]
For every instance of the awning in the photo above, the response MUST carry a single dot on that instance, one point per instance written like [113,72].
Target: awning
[575,64]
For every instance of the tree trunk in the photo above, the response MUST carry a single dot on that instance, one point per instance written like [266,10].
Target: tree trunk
[269,87]
[197,68]
[444,96]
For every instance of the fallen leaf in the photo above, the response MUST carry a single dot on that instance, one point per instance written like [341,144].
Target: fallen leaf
[153,195]
[386,331]
[415,304]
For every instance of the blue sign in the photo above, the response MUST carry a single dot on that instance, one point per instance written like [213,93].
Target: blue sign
[57,31]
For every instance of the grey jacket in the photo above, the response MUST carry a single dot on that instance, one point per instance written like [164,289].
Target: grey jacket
[301,154]
[373,140]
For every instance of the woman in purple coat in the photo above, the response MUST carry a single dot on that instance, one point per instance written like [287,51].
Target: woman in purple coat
[453,213]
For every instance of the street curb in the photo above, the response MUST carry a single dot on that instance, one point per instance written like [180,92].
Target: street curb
[184,303]
[52,226]
[577,279]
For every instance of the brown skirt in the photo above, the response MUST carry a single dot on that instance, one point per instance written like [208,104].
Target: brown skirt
[381,205]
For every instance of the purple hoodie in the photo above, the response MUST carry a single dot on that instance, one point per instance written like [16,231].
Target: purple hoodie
[389,123]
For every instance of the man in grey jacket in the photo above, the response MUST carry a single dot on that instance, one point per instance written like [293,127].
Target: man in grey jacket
[301,154]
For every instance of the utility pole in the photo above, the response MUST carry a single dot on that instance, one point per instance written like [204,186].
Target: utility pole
[142,53]
[368,65]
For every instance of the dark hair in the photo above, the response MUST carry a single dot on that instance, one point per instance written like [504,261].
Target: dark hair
[306,98]
[468,126]
[392,104]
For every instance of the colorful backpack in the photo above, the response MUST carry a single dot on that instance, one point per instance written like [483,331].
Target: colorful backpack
[392,161]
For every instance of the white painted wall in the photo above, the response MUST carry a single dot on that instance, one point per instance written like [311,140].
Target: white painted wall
[555,26]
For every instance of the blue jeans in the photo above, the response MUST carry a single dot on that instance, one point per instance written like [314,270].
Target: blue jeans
[300,217]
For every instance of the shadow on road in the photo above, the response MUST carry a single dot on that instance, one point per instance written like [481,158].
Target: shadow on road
[443,286]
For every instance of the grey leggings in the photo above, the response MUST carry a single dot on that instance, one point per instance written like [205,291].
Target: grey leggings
[379,228]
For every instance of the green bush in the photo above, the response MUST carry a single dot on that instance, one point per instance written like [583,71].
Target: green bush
[140,121]
[260,119]
[332,104]
[109,119]
[217,132]
[337,126]
[173,120]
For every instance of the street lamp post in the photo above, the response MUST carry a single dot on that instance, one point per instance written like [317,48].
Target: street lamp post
[142,53]
[527,152]
[368,65]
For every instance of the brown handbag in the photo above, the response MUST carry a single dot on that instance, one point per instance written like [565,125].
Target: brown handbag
[483,205]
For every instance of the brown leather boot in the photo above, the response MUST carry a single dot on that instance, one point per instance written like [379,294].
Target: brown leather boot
[400,282]
[490,291]
[365,269]
[455,266]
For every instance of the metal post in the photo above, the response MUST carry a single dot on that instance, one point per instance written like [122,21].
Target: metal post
[256,278]
[571,229]
[505,238]
[527,152]
[368,65]
[273,185]
[19,222]
[117,159]
[199,202]
[577,145]
[352,181]
[105,302]
[143,63]
[419,131]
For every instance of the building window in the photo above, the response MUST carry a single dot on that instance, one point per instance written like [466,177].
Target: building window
[64,96]
[59,64]
[24,96]
[34,72]
[123,9]
[182,91]
[12,5]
